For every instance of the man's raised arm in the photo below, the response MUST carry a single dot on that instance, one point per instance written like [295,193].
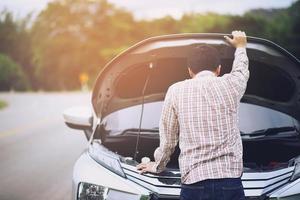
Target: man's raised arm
[239,74]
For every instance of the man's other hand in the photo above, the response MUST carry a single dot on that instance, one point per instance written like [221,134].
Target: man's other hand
[239,39]
[146,167]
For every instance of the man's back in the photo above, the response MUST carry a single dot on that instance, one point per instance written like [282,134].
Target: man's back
[209,138]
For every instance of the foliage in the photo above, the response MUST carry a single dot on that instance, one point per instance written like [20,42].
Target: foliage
[73,37]
[76,37]
[15,41]
[11,75]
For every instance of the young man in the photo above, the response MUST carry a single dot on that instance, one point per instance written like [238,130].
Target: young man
[202,114]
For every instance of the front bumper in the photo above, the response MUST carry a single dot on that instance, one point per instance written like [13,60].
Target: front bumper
[258,185]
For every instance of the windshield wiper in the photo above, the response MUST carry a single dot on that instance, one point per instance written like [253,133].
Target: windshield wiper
[272,131]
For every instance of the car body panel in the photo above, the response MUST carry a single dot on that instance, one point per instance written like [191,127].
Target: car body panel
[288,190]
[89,171]
[167,184]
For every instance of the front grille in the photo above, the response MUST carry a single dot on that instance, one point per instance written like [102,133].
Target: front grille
[172,198]
[258,184]
[256,198]
[155,197]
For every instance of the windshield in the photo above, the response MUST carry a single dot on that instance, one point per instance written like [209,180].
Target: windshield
[251,118]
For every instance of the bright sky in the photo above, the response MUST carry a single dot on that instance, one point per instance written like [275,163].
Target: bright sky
[148,9]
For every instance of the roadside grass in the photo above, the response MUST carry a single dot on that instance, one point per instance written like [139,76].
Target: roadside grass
[3,104]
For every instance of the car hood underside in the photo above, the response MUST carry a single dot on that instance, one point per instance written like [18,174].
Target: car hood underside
[144,72]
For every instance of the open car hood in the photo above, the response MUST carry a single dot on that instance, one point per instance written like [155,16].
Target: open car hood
[160,61]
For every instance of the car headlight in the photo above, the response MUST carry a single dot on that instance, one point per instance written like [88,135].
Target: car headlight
[106,159]
[87,191]
[296,173]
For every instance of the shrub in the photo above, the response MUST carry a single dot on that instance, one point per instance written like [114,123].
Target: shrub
[12,76]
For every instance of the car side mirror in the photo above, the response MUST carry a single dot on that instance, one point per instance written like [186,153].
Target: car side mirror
[80,118]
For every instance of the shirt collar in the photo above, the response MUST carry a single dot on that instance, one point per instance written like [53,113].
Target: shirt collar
[205,73]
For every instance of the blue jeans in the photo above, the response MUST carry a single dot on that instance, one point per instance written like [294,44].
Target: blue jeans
[214,189]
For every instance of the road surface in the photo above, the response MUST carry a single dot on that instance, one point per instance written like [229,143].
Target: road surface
[37,150]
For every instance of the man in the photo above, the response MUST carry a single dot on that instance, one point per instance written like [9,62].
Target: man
[202,114]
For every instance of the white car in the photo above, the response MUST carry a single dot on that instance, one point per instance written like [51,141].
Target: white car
[122,126]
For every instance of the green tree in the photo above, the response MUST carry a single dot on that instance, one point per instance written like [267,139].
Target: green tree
[71,37]
[204,23]
[75,36]
[293,39]
[11,75]
[15,40]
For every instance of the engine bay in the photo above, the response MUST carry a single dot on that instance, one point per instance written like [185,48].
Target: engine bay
[258,155]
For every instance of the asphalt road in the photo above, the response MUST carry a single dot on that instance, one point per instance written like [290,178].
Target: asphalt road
[37,150]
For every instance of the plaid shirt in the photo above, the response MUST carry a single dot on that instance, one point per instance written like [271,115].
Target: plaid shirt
[202,113]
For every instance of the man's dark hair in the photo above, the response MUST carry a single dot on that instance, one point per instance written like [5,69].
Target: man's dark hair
[203,57]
